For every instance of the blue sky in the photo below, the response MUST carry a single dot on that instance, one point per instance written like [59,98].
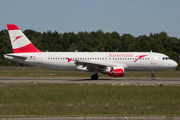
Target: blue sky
[135,17]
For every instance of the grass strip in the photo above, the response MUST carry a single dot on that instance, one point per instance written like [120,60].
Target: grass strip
[89,100]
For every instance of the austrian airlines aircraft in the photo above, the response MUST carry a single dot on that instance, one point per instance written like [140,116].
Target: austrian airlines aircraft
[112,63]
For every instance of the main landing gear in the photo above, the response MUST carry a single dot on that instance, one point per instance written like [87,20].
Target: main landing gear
[153,77]
[94,76]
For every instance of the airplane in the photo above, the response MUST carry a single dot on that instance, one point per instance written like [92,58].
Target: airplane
[111,63]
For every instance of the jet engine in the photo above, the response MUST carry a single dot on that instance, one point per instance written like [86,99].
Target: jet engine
[116,71]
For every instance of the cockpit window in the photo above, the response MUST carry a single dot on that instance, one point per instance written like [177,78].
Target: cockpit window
[166,58]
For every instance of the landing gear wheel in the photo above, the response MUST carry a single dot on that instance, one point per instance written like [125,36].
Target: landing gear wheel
[153,77]
[94,77]
[97,76]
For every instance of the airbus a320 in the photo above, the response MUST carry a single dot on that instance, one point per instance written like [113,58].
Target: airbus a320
[111,63]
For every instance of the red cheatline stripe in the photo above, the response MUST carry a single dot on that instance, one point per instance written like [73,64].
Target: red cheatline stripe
[28,48]
[12,27]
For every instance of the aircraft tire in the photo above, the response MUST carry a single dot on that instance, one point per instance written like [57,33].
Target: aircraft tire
[94,77]
[153,77]
[97,76]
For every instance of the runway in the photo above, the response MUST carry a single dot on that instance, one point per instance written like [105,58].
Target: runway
[164,81]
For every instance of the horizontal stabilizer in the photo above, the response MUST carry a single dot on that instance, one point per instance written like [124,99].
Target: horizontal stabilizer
[15,56]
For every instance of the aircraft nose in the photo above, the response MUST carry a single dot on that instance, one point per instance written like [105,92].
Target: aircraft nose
[174,64]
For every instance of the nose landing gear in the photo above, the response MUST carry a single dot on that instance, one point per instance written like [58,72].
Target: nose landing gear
[153,77]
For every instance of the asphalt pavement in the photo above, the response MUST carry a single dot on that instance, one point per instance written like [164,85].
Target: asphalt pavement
[164,81]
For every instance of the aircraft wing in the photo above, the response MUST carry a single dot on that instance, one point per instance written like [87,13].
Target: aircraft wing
[98,66]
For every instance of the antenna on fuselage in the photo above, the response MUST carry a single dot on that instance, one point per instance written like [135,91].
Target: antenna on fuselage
[151,51]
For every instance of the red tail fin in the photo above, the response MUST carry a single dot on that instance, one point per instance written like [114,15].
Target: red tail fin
[20,43]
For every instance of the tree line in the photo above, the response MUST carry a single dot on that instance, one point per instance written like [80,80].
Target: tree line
[94,41]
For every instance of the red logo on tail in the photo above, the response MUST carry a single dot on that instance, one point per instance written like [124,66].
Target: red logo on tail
[17,38]
[141,56]
[68,59]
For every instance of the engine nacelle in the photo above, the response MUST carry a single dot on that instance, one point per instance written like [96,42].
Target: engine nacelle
[116,71]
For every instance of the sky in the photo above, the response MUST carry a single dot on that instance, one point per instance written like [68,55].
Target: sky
[135,17]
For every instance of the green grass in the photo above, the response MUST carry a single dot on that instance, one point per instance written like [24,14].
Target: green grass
[46,73]
[89,100]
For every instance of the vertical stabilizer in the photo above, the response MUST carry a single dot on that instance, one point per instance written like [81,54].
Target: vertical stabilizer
[20,43]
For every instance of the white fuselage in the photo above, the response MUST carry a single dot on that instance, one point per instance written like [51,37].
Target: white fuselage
[130,61]
[112,63]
